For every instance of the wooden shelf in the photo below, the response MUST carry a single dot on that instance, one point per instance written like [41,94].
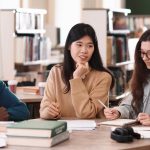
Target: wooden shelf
[51,60]
[121,64]
[115,98]
[30,10]
[118,32]
[30,31]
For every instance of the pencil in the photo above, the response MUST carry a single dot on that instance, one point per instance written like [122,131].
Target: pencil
[102,103]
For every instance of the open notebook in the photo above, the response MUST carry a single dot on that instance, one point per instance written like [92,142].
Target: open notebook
[119,122]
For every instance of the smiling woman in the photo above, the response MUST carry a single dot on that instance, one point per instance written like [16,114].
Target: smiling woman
[137,104]
[74,87]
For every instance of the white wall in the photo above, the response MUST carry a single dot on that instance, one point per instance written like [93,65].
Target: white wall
[9,4]
[103,3]
[67,14]
[113,4]
[6,57]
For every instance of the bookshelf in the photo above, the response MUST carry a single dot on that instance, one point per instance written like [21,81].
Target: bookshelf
[29,21]
[28,48]
[112,32]
[138,21]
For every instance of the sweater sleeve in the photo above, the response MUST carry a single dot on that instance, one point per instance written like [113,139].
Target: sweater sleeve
[48,96]
[125,108]
[85,102]
[17,110]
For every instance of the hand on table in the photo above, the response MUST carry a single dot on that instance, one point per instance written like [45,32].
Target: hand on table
[54,110]
[3,114]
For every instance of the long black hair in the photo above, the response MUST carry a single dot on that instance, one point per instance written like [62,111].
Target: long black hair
[77,32]
[140,74]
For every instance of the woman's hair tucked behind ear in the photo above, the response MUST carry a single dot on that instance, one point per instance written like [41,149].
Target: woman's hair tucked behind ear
[77,32]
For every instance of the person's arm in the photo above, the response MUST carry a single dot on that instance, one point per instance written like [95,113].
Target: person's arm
[16,109]
[3,114]
[125,108]
[85,102]
[49,108]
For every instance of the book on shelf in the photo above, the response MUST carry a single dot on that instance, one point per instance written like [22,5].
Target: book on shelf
[119,86]
[38,141]
[110,51]
[28,89]
[37,128]
[120,122]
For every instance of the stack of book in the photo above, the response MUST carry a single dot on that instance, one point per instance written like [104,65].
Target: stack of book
[37,132]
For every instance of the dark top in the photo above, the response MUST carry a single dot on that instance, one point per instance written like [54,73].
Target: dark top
[17,110]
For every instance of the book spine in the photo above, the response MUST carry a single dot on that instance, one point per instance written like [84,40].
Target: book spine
[59,129]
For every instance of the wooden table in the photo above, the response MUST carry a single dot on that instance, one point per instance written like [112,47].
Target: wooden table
[98,139]
[33,103]
[29,98]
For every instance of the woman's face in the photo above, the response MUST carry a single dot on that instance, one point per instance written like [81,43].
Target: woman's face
[82,50]
[145,53]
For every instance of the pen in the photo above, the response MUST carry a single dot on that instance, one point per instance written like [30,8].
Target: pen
[102,103]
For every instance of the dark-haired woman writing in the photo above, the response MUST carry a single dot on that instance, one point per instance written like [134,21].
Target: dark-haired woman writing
[137,103]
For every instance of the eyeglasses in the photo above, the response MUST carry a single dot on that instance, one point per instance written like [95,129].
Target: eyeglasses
[147,54]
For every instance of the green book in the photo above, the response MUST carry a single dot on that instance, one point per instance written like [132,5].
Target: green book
[38,141]
[37,128]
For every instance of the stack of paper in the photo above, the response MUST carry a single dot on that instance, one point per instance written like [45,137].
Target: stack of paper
[3,140]
[143,130]
[80,124]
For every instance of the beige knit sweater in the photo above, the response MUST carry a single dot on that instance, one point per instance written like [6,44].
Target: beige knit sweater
[82,100]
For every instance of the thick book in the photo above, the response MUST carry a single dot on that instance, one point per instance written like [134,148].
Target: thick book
[37,142]
[37,128]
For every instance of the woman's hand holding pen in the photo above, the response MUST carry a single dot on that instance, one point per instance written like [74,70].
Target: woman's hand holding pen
[111,113]
[54,110]
[144,119]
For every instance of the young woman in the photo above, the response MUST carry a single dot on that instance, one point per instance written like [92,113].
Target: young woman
[137,103]
[10,107]
[73,88]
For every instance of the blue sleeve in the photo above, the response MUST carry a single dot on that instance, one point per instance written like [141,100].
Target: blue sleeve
[17,110]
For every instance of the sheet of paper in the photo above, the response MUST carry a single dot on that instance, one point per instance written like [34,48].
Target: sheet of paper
[80,124]
[3,138]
